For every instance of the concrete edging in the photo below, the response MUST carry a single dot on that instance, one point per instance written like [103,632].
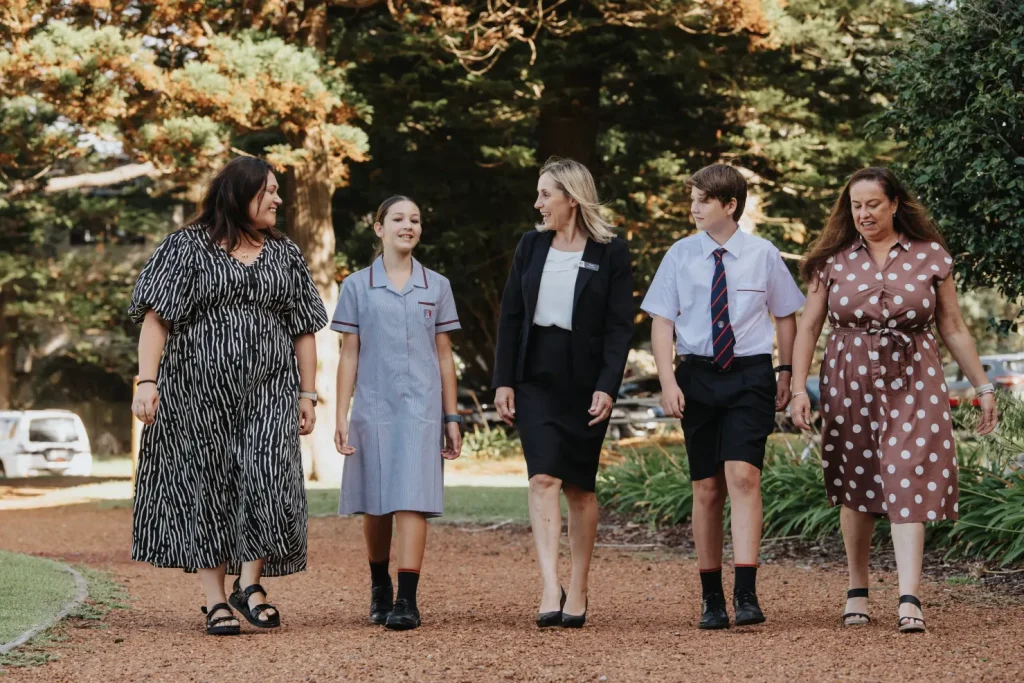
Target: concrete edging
[81,592]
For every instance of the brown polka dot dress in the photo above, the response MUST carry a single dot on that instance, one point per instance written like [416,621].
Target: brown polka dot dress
[887,436]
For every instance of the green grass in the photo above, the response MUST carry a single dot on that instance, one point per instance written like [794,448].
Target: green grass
[32,590]
[961,581]
[477,504]
[104,595]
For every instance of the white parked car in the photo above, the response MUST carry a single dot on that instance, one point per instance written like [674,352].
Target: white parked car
[43,442]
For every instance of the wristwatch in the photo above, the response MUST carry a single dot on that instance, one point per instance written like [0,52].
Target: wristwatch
[453,418]
[311,395]
[784,368]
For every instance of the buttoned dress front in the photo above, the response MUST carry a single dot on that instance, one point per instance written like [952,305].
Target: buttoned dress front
[887,436]
[396,426]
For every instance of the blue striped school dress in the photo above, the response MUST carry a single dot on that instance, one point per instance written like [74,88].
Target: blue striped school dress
[220,473]
[396,424]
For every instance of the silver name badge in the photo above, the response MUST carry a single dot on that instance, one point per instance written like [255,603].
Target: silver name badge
[589,266]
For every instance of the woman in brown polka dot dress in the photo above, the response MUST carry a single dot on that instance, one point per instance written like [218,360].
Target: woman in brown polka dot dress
[879,273]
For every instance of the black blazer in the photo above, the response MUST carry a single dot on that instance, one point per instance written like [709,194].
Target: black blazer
[602,313]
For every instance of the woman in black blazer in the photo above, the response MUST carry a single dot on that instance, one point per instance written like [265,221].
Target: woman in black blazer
[563,338]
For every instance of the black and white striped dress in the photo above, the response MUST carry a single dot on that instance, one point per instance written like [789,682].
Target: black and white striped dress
[220,473]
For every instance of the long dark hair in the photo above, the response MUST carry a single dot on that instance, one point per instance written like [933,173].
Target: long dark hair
[224,210]
[382,213]
[840,231]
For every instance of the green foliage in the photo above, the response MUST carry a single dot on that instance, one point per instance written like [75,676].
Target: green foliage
[491,443]
[652,486]
[959,113]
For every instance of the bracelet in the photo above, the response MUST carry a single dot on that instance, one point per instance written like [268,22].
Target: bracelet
[784,368]
[799,393]
[146,381]
[985,389]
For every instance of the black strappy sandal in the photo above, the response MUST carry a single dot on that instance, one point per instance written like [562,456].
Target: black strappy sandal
[906,624]
[856,593]
[240,601]
[212,627]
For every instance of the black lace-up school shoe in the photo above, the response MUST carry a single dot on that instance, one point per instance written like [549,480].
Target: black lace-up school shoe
[403,616]
[381,603]
[714,616]
[748,612]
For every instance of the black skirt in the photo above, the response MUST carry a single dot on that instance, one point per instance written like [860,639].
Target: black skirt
[551,413]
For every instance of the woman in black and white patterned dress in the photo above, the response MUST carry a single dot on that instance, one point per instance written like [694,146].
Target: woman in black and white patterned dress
[227,362]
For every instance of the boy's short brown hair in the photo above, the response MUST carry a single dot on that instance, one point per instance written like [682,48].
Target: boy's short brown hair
[721,182]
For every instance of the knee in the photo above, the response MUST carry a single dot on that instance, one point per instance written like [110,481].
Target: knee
[708,492]
[544,484]
[745,482]
[578,498]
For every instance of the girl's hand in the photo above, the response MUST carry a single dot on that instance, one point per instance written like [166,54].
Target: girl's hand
[800,411]
[453,439]
[989,414]
[145,403]
[341,437]
[505,403]
[307,416]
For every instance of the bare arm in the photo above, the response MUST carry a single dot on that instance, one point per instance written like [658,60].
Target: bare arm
[807,333]
[151,349]
[950,325]
[663,347]
[347,366]
[305,353]
[785,331]
[449,393]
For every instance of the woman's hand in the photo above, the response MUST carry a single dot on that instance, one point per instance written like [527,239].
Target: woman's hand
[672,401]
[307,416]
[341,437]
[989,414]
[800,411]
[453,439]
[145,403]
[600,407]
[505,403]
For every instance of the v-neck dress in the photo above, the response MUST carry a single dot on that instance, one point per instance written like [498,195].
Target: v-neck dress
[397,421]
[220,473]
[887,435]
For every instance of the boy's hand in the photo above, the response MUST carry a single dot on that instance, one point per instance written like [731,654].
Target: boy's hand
[782,391]
[672,401]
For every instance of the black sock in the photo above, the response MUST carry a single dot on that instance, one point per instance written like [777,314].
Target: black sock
[711,581]
[379,574]
[746,578]
[408,580]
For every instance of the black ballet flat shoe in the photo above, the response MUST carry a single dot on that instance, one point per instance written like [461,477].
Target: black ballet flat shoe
[239,599]
[545,619]
[576,620]
[748,612]
[214,625]
[403,616]
[382,601]
[862,619]
[714,616]
[911,624]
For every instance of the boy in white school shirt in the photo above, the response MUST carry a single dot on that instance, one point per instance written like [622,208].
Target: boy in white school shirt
[717,291]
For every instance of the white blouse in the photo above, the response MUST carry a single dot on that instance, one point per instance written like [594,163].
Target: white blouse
[557,286]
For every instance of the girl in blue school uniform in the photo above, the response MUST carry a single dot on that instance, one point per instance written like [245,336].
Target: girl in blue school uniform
[395,318]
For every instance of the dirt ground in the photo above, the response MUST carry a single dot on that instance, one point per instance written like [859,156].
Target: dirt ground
[478,594]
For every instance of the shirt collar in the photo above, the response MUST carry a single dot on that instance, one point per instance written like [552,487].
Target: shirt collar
[734,246]
[379,277]
[901,240]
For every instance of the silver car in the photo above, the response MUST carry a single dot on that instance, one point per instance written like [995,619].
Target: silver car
[43,442]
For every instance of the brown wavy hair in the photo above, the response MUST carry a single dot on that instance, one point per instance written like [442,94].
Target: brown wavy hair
[224,209]
[840,231]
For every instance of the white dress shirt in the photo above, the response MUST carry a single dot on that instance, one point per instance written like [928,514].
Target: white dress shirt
[758,282]
[557,285]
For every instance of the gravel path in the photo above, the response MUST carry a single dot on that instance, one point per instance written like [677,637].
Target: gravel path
[478,595]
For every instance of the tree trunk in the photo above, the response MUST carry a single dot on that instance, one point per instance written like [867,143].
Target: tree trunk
[309,224]
[569,121]
[8,351]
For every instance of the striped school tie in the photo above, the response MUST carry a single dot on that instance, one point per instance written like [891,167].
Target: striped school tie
[721,328]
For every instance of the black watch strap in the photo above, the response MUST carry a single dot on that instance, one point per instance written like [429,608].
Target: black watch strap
[784,368]
[452,418]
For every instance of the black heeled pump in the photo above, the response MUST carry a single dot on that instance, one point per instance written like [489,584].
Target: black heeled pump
[545,619]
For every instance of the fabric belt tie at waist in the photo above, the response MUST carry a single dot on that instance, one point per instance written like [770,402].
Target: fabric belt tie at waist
[901,338]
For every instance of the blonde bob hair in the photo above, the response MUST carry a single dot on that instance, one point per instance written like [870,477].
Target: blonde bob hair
[576,182]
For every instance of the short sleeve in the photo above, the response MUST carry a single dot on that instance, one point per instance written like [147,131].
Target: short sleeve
[447,316]
[784,295]
[307,314]
[165,283]
[346,313]
[940,262]
[824,274]
[662,297]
